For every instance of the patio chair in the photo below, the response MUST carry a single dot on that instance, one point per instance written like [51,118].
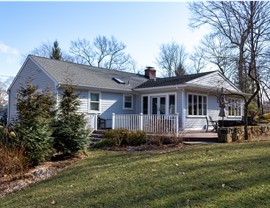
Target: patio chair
[101,123]
[211,122]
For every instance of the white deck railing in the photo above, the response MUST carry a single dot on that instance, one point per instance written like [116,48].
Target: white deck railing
[91,122]
[168,124]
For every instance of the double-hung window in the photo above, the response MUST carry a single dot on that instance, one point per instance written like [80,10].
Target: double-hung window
[197,105]
[128,102]
[94,102]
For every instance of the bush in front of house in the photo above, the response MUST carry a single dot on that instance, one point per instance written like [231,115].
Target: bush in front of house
[12,155]
[13,160]
[33,127]
[70,135]
[122,137]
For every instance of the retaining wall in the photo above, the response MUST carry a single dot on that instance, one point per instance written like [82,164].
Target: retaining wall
[236,134]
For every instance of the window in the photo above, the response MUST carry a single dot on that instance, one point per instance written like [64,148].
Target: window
[128,99]
[94,101]
[172,104]
[234,107]
[145,105]
[197,105]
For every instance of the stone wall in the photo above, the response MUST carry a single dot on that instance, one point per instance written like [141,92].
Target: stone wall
[236,134]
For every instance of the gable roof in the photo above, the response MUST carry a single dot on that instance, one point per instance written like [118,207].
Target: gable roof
[171,81]
[87,76]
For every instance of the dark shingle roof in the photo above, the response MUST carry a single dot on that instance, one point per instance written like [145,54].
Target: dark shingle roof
[87,76]
[171,81]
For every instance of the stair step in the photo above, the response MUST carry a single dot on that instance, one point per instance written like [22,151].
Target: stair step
[95,139]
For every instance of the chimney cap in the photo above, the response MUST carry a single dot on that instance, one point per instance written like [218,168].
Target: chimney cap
[150,72]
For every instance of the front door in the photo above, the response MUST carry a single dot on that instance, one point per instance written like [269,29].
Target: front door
[158,106]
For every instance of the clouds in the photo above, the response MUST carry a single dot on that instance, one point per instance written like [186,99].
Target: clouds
[5,49]
[9,57]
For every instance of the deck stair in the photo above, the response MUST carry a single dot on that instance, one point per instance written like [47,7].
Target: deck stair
[96,136]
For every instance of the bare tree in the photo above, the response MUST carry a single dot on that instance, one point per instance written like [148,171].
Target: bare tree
[103,52]
[4,84]
[82,52]
[46,49]
[231,20]
[246,26]
[198,59]
[218,51]
[172,58]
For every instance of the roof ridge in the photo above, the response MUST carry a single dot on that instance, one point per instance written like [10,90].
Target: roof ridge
[84,65]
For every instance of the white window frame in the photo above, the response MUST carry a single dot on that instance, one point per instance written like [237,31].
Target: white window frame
[196,94]
[236,104]
[149,96]
[99,102]
[124,101]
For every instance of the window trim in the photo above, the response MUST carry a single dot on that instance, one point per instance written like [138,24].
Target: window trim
[89,100]
[187,109]
[124,101]
[149,95]
[240,107]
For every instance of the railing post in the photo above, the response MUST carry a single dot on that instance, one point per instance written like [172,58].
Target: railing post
[96,121]
[141,121]
[113,120]
[177,123]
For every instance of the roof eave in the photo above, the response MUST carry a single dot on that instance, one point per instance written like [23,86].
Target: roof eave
[160,88]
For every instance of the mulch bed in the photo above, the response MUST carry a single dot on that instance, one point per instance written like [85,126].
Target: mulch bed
[10,184]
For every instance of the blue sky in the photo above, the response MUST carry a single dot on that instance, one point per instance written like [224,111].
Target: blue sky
[142,26]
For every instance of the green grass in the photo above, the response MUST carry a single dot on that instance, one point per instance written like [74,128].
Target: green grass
[221,175]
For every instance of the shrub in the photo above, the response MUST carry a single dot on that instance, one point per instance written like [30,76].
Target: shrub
[163,139]
[7,136]
[12,160]
[33,126]
[104,143]
[70,135]
[121,137]
[136,138]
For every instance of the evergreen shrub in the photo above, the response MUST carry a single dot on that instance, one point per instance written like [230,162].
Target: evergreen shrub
[70,135]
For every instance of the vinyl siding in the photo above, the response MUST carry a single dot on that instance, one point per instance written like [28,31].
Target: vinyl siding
[214,80]
[113,103]
[29,71]
[199,122]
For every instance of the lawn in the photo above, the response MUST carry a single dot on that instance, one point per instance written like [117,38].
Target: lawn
[219,175]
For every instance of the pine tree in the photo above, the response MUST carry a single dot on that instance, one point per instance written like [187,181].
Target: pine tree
[34,122]
[70,135]
[56,51]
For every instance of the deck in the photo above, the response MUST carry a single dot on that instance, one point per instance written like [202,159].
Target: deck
[199,136]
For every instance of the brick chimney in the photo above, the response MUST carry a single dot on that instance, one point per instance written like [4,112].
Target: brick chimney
[150,72]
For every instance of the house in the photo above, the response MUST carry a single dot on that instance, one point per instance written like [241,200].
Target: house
[108,93]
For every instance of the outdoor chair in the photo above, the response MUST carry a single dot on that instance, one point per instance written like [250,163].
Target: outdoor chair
[101,123]
[211,122]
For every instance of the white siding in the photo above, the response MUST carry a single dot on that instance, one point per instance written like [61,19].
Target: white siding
[199,122]
[29,71]
[214,81]
[84,100]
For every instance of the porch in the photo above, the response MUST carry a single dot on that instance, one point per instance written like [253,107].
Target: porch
[151,124]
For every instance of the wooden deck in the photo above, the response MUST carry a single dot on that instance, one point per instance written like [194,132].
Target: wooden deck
[199,136]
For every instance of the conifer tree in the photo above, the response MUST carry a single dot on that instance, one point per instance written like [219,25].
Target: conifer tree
[70,135]
[35,113]
[56,51]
